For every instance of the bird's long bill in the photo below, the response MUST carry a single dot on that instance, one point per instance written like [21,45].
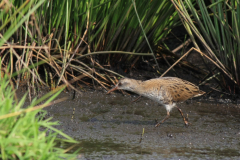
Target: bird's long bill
[113,89]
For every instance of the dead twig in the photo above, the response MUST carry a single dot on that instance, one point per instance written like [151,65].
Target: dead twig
[203,54]
[186,43]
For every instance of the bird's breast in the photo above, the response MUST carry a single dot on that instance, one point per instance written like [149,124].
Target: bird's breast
[158,96]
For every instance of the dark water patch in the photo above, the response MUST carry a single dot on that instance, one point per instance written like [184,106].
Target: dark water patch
[85,118]
[93,119]
[107,145]
[205,152]
[141,151]
[228,152]
[100,110]
[128,111]
[140,112]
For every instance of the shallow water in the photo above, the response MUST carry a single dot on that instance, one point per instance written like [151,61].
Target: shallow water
[110,127]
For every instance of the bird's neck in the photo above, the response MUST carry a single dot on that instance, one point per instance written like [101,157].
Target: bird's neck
[136,86]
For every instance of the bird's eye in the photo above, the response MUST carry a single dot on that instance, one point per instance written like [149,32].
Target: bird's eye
[120,84]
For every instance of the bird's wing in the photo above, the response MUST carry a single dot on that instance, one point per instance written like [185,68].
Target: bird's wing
[172,88]
[181,91]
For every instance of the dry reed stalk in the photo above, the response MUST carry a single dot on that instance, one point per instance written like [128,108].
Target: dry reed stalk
[202,54]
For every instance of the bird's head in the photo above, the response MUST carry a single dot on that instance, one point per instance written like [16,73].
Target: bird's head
[124,83]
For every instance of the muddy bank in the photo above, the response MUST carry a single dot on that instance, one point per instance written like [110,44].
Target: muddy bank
[110,127]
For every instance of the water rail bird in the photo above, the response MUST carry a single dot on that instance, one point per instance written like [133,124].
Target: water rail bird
[167,91]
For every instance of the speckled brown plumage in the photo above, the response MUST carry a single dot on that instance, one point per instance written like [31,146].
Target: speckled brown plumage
[167,91]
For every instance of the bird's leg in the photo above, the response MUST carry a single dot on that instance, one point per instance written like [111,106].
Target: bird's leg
[158,124]
[184,119]
[136,99]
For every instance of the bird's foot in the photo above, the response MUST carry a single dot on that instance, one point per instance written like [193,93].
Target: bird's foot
[157,123]
[187,123]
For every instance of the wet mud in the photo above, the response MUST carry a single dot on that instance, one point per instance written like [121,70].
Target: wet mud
[111,127]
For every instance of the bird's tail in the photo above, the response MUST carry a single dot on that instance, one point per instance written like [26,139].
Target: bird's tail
[200,93]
